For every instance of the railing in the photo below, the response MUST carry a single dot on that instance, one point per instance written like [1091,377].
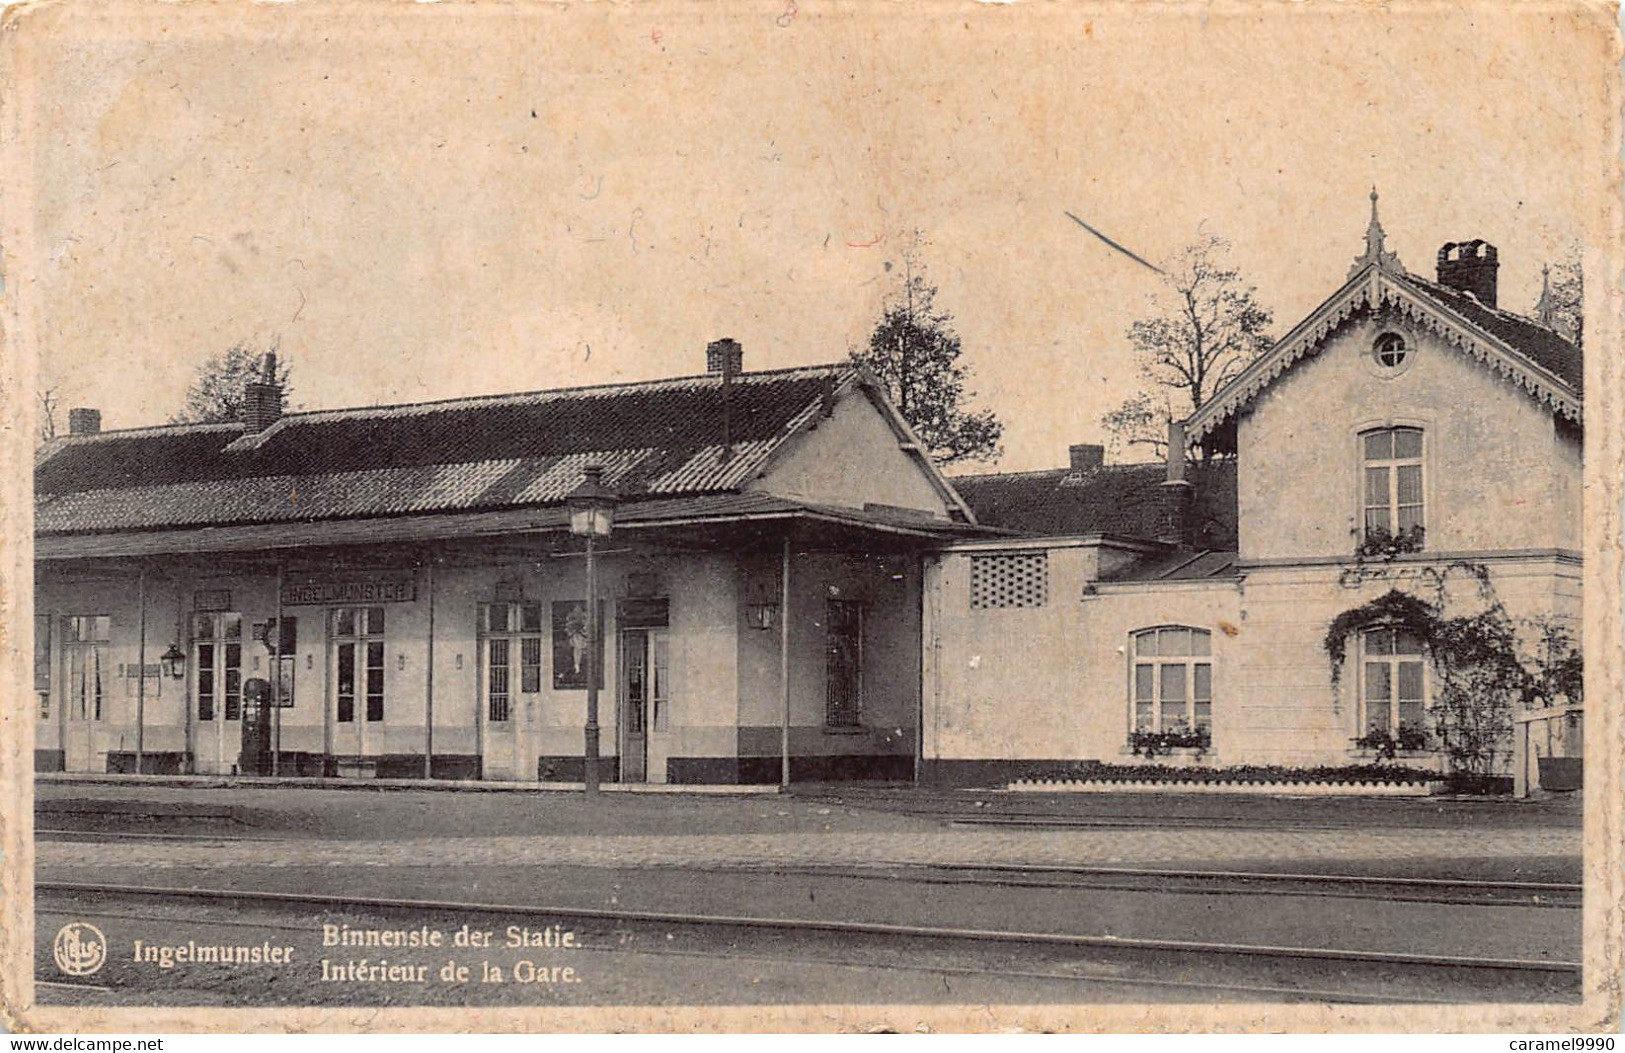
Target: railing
[1549,732]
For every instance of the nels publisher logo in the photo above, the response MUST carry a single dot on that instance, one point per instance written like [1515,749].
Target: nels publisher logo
[80,948]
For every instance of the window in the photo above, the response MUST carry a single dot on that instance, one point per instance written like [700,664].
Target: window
[359,634]
[1390,351]
[843,666]
[1009,579]
[1395,691]
[1393,484]
[217,656]
[1173,681]
[85,637]
[512,635]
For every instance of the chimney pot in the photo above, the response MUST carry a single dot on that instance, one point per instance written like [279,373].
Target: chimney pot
[84,421]
[725,356]
[1470,267]
[1086,457]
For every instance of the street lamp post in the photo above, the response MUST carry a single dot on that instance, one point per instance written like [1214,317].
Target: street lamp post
[592,516]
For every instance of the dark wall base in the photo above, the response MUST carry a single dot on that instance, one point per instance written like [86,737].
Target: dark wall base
[393,765]
[123,763]
[50,760]
[985,773]
[574,769]
[759,770]
[704,771]
[461,767]
[306,765]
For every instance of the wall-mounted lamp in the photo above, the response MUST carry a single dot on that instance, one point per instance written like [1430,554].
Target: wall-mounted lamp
[173,662]
[761,615]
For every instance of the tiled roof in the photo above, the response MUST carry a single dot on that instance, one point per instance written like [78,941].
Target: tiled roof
[662,438]
[1120,499]
[1528,338]
[1525,353]
[657,512]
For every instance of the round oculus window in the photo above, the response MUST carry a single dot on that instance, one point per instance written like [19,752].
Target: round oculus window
[1390,351]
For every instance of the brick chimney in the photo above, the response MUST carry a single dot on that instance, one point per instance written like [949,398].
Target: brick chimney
[1178,496]
[1471,267]
[725,356]
[83,421]
[262,399]
[1086,457]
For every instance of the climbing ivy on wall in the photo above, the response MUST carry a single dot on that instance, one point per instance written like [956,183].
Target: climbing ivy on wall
[1391,608]
[1483,670]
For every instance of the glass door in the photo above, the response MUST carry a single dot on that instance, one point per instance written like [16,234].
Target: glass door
[217,689]
[85,648]
[358,678]
[510,680]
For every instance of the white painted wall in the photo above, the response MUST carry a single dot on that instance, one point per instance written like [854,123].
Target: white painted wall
[1286,706]
[888,589]
[1498,473]
[850,459]
[1006,682]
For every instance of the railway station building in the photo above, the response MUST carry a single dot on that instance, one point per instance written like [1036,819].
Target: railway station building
[395,591]
[1408,440]
[791,584]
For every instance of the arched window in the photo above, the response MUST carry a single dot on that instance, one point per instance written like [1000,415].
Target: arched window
[1393,485]
[1172,681]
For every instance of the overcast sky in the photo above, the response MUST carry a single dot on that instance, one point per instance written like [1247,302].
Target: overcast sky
[427,202]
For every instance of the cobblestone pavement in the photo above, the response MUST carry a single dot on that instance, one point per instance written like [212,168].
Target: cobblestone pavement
[1139,846]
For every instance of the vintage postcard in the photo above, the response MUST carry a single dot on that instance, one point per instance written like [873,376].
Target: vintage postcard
[811,516]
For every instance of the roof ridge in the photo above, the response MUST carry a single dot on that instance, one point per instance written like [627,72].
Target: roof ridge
[471,401]
[200,427]
[1062,471]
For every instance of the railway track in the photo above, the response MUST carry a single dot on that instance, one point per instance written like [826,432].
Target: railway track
[143,835]
[1391,889]
[997,808]
[1178,969]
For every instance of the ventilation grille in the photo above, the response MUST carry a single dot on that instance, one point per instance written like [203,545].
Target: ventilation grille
[1010,580]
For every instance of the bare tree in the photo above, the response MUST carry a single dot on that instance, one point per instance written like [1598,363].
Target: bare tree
[49,403]
[1204,327]
[216,392]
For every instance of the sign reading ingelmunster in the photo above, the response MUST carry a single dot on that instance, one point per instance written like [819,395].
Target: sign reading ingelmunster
[377,588]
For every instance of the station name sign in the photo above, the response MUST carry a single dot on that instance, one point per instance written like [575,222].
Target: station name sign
[378,588]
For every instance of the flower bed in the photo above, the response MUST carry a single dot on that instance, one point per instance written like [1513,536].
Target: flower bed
[1290,789]
[1386,779]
